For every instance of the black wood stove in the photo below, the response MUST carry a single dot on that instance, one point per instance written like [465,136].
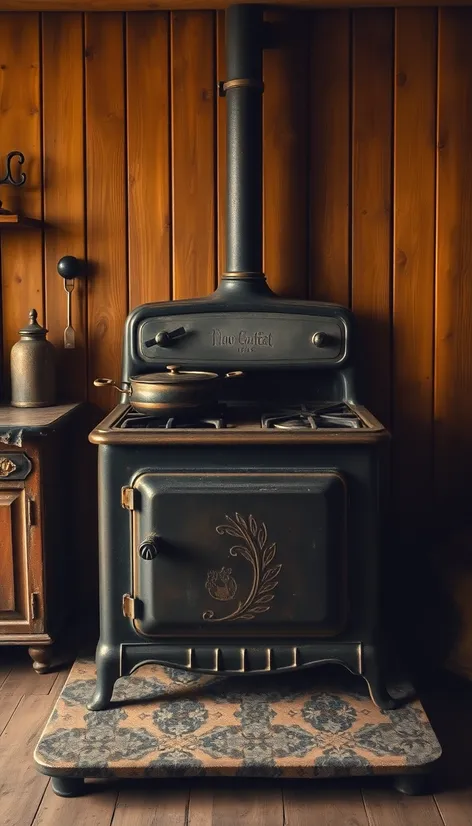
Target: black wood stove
[245,538]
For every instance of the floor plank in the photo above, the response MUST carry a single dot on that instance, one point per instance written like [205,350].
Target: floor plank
[389,808]
[91,810]
[24,681]
[5,669]
[200,812]
[314,806]
[26,798]
[21,786]
[259,805]
[8,705]
[456,806]
[152,806]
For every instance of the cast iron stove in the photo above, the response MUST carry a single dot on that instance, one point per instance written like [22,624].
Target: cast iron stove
[247,539]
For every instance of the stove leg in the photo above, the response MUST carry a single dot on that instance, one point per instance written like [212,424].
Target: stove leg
[374,676]
[108,671]
[68,786]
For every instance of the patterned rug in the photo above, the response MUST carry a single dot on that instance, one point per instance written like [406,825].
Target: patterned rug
[173,723]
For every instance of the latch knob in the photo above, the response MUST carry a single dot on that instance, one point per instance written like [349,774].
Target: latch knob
[166,338]
[148,549]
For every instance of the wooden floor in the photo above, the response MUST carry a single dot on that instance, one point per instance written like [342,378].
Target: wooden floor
[26,797]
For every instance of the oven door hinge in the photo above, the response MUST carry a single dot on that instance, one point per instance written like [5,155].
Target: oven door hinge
[34,605]
[128,498]
[129,606]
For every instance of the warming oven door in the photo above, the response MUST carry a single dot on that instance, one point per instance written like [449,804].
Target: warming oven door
[239,554]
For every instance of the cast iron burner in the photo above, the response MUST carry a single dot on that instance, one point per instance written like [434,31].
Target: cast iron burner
[312,418]
[139,421]
[303,416]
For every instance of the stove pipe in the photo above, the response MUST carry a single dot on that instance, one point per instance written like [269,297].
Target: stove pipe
[243,91]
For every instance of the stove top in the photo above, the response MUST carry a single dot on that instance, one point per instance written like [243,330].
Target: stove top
[242,423]
[296,417]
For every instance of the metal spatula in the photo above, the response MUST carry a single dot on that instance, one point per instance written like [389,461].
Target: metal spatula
[68,268]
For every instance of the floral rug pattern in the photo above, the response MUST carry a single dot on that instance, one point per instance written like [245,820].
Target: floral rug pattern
[168,723]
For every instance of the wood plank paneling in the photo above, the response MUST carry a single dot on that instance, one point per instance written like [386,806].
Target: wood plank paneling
[453,355]
[193,153]
[414,258]
[372,201]
[106,198]
[22,265]
[330,105]
[285,155]
[221,142]
[149,218]
[64,196]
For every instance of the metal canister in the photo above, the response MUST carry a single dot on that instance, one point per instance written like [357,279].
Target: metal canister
[33,367]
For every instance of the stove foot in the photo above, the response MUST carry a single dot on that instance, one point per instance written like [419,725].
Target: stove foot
[68,786]
[108,671]
[375,679]
[415,783]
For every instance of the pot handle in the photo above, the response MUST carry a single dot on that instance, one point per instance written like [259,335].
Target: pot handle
[111,383]
[234,374]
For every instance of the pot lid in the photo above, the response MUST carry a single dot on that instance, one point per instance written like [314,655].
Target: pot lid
[33,328]
[174,376]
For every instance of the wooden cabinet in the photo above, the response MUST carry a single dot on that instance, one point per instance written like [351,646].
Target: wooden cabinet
[41,453]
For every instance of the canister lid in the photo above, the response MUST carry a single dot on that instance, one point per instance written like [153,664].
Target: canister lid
[33,328]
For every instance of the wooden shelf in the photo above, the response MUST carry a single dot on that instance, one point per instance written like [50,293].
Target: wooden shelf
[11,220]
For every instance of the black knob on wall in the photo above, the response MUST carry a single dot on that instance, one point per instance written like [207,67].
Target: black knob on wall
[69,266]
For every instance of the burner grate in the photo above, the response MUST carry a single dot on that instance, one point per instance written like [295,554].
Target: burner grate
[141,421]
[313,417]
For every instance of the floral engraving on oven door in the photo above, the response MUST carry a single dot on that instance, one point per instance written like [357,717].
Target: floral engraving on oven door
[221,585]
[257,550]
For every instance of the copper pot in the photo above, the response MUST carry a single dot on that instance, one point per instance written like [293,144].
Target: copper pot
[177,391]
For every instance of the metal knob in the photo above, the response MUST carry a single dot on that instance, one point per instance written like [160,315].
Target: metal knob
[166,338]
[69,266]
[149,549]
[319,339]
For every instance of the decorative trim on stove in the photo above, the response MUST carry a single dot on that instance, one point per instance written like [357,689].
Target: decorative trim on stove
[259,553]
[227,659]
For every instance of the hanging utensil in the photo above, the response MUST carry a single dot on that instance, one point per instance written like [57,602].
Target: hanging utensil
[69,268]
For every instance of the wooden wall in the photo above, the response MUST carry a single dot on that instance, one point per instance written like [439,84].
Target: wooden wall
[367,198]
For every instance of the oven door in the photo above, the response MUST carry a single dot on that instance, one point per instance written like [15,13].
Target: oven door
[234,554]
